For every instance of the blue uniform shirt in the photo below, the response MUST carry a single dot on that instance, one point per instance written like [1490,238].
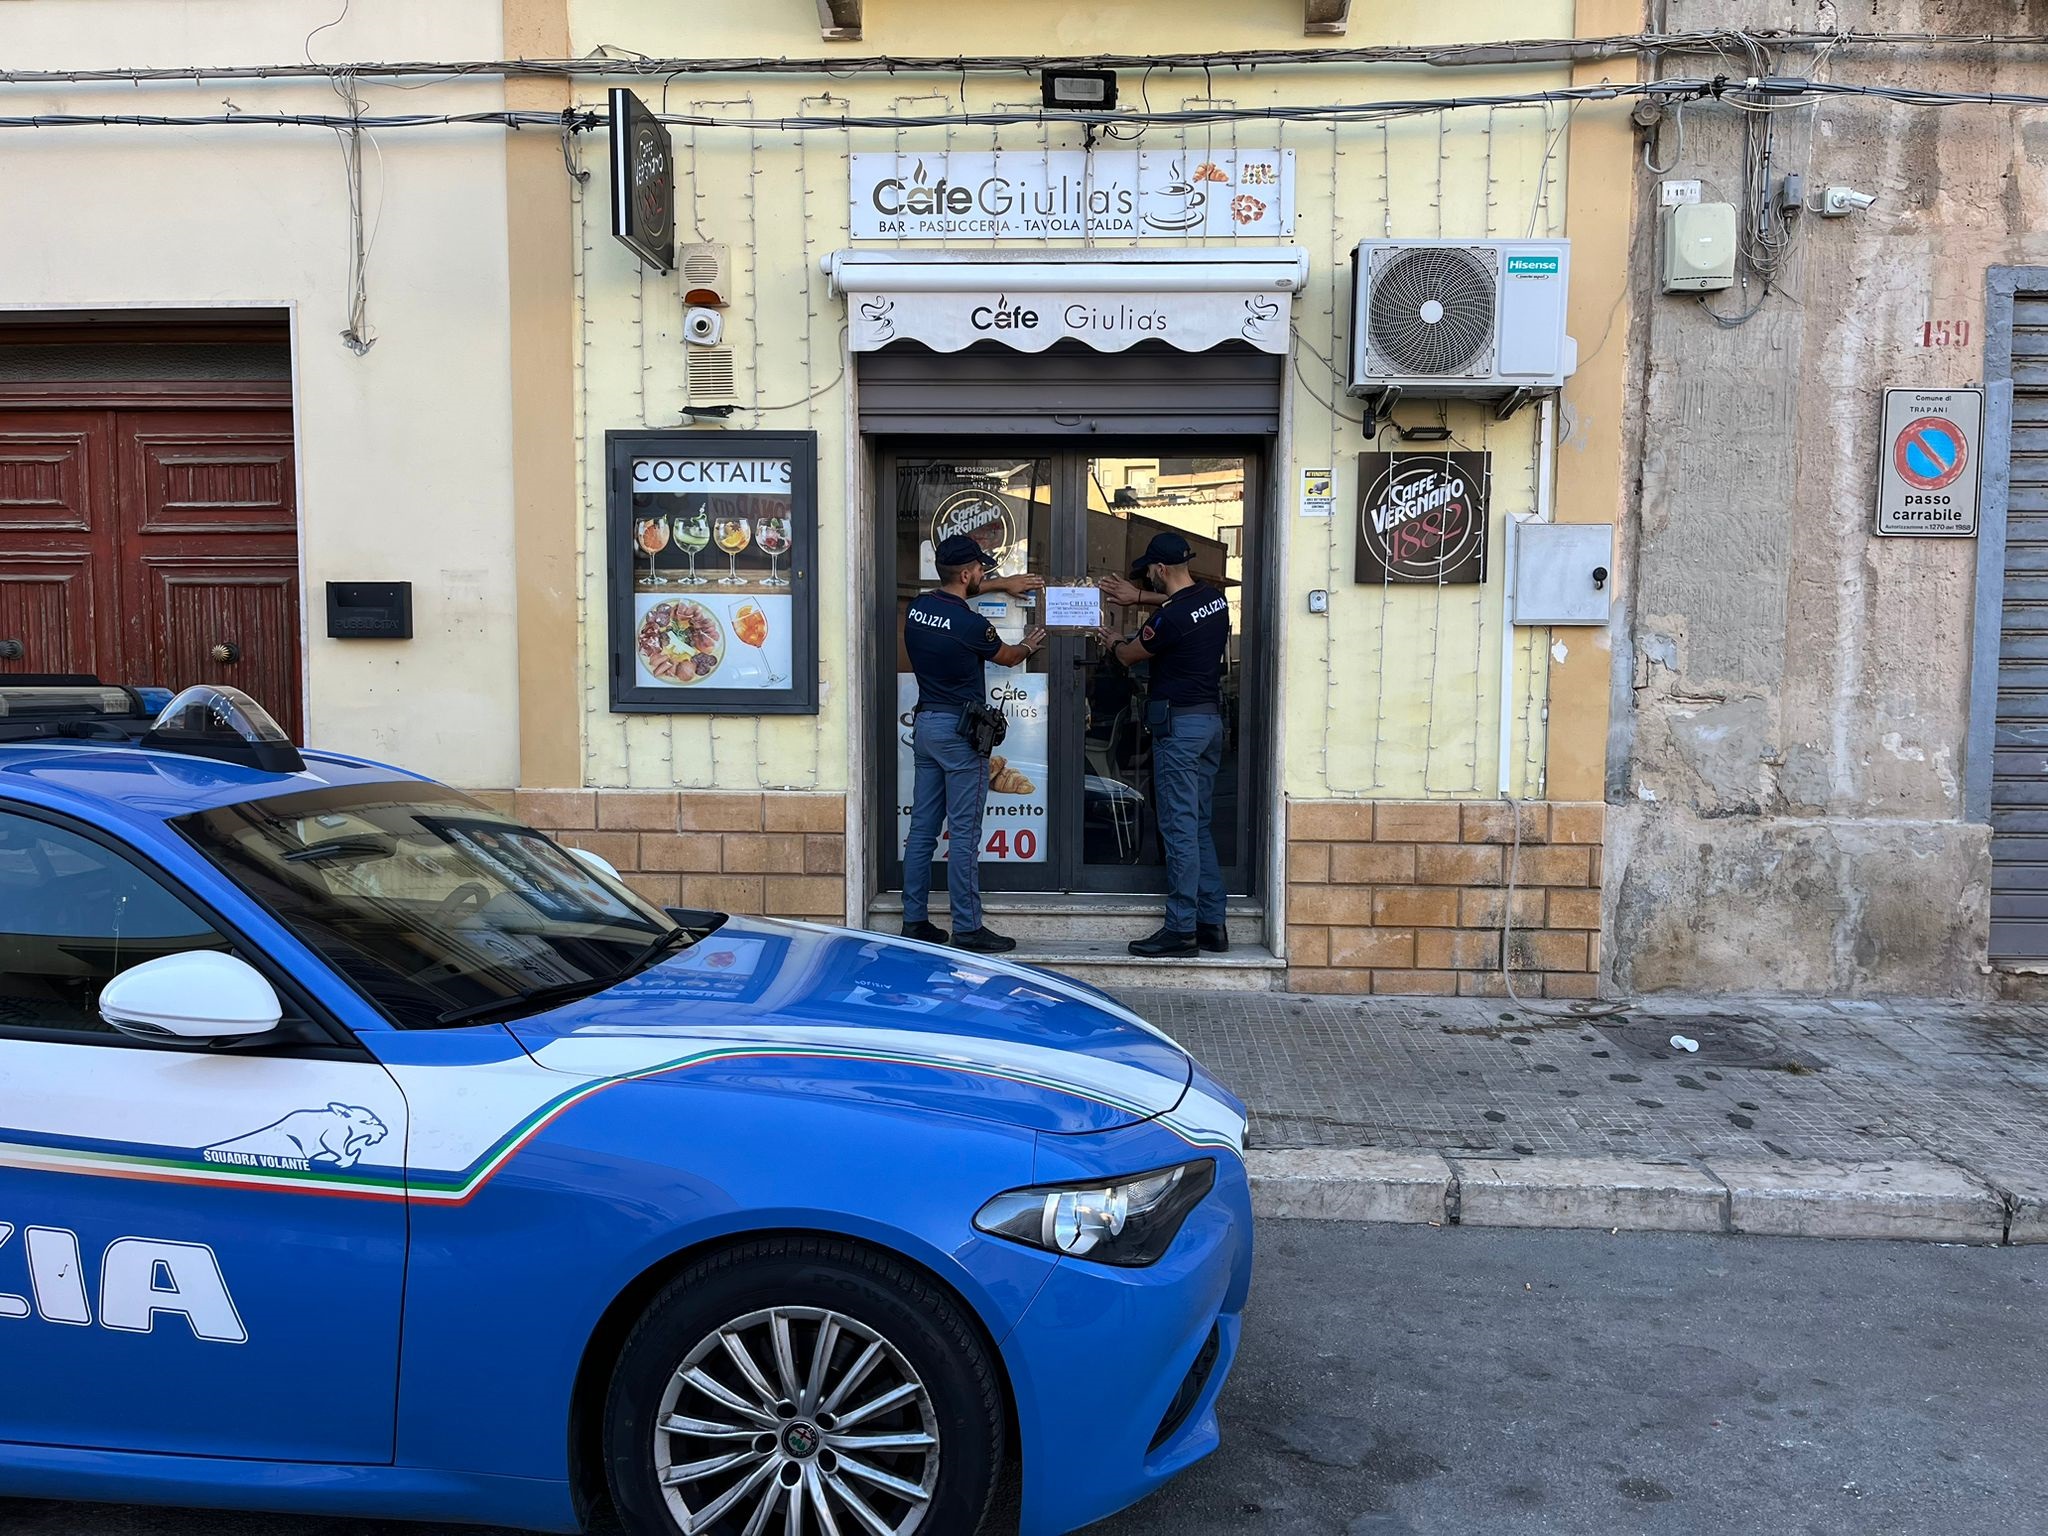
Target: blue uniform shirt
[1187,638]
[948,642]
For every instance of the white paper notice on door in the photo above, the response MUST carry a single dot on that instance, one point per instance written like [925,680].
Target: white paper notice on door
[1073,608]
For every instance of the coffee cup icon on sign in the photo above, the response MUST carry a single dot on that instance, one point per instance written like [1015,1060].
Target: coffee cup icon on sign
[1181,202]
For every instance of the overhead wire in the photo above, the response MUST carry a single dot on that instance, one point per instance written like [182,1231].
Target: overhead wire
[1796,91]
[612,62]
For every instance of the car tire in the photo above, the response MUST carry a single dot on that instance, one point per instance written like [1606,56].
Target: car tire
[778,1297]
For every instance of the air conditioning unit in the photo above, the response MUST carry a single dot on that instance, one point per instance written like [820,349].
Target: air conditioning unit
[1467,318]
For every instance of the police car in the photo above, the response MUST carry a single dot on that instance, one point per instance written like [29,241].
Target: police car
[365,1152]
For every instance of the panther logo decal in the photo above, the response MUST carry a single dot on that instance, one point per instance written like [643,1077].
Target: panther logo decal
[335,1137]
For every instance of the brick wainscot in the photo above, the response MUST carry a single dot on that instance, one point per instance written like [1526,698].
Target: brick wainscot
[1405,897]
[778,854]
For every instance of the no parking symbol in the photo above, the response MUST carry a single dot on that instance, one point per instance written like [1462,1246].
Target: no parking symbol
[1927,479]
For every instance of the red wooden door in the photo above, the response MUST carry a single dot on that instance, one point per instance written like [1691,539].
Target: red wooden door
[155,545]
[57,539]
[209,563]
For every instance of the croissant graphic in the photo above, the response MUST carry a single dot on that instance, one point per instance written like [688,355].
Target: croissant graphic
[1005,780]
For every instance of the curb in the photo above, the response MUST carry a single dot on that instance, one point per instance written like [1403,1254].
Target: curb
[1923,1202]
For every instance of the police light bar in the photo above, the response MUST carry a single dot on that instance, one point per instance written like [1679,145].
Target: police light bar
[213,720]
[74,708]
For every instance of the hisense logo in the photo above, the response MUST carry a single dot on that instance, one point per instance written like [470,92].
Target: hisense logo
[1532,266]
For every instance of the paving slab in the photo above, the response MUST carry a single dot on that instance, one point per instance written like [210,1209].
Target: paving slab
[1605,1192]
[1355,1184]
[1777,1084]
[1930,1202]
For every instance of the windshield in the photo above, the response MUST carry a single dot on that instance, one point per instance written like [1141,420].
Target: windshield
[439,910]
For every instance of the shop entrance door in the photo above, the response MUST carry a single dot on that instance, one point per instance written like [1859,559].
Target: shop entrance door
[1071,807]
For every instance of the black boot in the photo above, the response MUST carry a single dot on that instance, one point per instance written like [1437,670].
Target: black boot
[983,941]
[1214,938]
[928,932]
[1164,943]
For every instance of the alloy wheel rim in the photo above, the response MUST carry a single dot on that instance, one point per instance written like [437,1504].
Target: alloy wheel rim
[796,1421]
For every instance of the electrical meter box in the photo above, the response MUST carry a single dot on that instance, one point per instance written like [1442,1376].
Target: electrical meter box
[1699,247]
[1564,572]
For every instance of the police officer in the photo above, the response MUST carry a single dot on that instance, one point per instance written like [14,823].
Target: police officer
[949,643]
[1185,640]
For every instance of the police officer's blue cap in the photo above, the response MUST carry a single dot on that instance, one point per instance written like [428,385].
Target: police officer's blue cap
[962,550]
[1165,549]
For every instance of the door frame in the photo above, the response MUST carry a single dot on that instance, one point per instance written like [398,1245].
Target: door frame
[1260,546]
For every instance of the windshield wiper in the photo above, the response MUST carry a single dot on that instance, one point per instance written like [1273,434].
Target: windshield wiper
[654,950]
[567,991]
[526,1002]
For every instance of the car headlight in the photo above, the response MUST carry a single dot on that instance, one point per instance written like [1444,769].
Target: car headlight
[1129,1222]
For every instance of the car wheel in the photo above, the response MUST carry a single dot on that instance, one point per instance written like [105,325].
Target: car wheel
[803,1387]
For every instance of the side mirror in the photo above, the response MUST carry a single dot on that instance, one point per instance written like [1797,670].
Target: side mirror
[199,995]
[590,860]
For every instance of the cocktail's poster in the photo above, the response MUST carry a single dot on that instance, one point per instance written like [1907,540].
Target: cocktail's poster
[714,539]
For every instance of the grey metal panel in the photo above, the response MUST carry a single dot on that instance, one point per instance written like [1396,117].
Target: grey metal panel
[2014,940]
[1071,390]
[2006,762]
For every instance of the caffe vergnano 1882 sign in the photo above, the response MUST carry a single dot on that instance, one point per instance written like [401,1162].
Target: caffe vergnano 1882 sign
[1422,518]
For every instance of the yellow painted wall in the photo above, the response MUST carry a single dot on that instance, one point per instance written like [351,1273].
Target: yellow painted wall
[403,454]
[1394,693]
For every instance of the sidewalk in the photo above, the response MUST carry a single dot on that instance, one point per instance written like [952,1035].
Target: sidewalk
[1829,1119]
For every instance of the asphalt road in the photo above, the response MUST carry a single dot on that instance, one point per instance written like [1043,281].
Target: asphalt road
[1403,1380]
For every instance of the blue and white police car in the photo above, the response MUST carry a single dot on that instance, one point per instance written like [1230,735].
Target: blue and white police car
[363,1151]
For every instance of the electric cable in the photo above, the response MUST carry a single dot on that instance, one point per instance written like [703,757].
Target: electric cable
[609,61]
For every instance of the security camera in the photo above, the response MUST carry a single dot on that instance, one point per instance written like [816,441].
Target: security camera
[1838,201]
[703,326]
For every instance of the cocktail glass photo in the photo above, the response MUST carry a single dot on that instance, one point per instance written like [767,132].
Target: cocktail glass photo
[772,534]
[733,535]
[692,534]
[750,624]
[651,535]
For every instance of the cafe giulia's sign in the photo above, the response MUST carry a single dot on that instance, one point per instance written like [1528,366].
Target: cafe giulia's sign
[1422,518]
[1033,321]
[1074,193]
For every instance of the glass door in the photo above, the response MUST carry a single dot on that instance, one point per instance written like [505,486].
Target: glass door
[1125,500]
[1070,806]
[1005,502]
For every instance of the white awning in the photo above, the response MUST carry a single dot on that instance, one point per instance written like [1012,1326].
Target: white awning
[1193,298]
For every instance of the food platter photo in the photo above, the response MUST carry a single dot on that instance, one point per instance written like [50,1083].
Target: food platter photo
[680,641]
[717,641]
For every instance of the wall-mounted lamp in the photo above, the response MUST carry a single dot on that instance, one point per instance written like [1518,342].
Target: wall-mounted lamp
[1078,90]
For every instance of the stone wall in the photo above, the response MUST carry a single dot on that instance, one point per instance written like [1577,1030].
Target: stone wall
[779,854]
[1791,692]
[1405,897]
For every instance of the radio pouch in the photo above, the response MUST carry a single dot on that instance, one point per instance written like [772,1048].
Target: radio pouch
[1159,717]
